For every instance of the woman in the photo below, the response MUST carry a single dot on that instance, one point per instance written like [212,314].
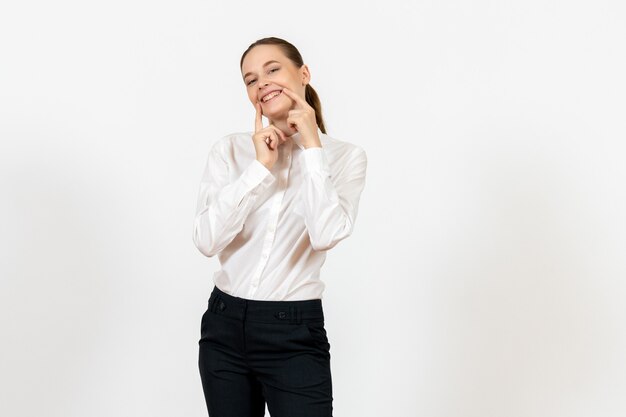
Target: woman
[271,203]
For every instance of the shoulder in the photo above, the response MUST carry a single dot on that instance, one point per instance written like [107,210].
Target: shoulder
[341,147]
[234,137]
[225,143]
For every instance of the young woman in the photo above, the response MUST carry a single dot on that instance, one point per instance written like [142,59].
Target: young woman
[271,203]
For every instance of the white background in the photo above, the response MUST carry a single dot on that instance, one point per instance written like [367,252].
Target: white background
[486,273]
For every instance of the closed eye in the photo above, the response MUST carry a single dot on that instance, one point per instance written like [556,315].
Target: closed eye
[269,72]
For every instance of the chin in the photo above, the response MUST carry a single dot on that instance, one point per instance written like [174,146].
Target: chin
[277,113]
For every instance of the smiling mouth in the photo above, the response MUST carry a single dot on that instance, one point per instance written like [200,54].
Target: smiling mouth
[274,95]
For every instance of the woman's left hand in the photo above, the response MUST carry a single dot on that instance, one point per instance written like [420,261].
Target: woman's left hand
[302,118]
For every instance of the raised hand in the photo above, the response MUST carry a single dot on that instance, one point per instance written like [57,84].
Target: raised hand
[266,139]
[302,118]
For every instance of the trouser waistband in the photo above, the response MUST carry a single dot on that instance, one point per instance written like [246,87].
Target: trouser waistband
[267,311]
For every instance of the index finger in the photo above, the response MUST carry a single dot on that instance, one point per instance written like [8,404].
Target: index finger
[295,97]
[258,122]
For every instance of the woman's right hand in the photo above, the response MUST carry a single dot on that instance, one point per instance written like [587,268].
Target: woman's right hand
[266,139]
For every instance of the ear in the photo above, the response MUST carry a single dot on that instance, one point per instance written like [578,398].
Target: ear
[306,75]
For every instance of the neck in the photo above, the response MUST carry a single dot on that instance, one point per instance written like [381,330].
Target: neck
[284,126]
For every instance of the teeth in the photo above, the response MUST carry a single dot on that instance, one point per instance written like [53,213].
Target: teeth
[271,95]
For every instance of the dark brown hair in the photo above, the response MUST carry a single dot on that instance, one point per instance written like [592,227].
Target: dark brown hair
[292,53]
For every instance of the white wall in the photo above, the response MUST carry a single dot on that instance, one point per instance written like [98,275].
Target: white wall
[485,276]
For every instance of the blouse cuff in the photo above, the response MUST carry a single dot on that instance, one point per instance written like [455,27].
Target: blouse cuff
[256,174]
[315,160]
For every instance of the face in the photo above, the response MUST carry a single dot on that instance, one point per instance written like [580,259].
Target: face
[266,69]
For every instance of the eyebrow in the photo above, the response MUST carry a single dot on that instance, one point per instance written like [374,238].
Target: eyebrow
[264,65]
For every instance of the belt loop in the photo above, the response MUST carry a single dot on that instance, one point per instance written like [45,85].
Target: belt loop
[295,315]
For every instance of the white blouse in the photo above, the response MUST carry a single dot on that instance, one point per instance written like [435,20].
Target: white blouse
[271,228]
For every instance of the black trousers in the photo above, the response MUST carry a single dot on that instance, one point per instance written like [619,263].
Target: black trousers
[253,352]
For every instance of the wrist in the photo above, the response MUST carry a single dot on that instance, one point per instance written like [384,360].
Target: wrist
[313,142]
[267,165]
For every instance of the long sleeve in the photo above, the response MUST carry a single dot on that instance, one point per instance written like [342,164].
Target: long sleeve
[222,206]
[331,203]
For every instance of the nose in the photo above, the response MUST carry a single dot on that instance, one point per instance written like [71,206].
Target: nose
[262,86]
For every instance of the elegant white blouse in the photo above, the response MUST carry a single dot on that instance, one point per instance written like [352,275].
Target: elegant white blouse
[271,228]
